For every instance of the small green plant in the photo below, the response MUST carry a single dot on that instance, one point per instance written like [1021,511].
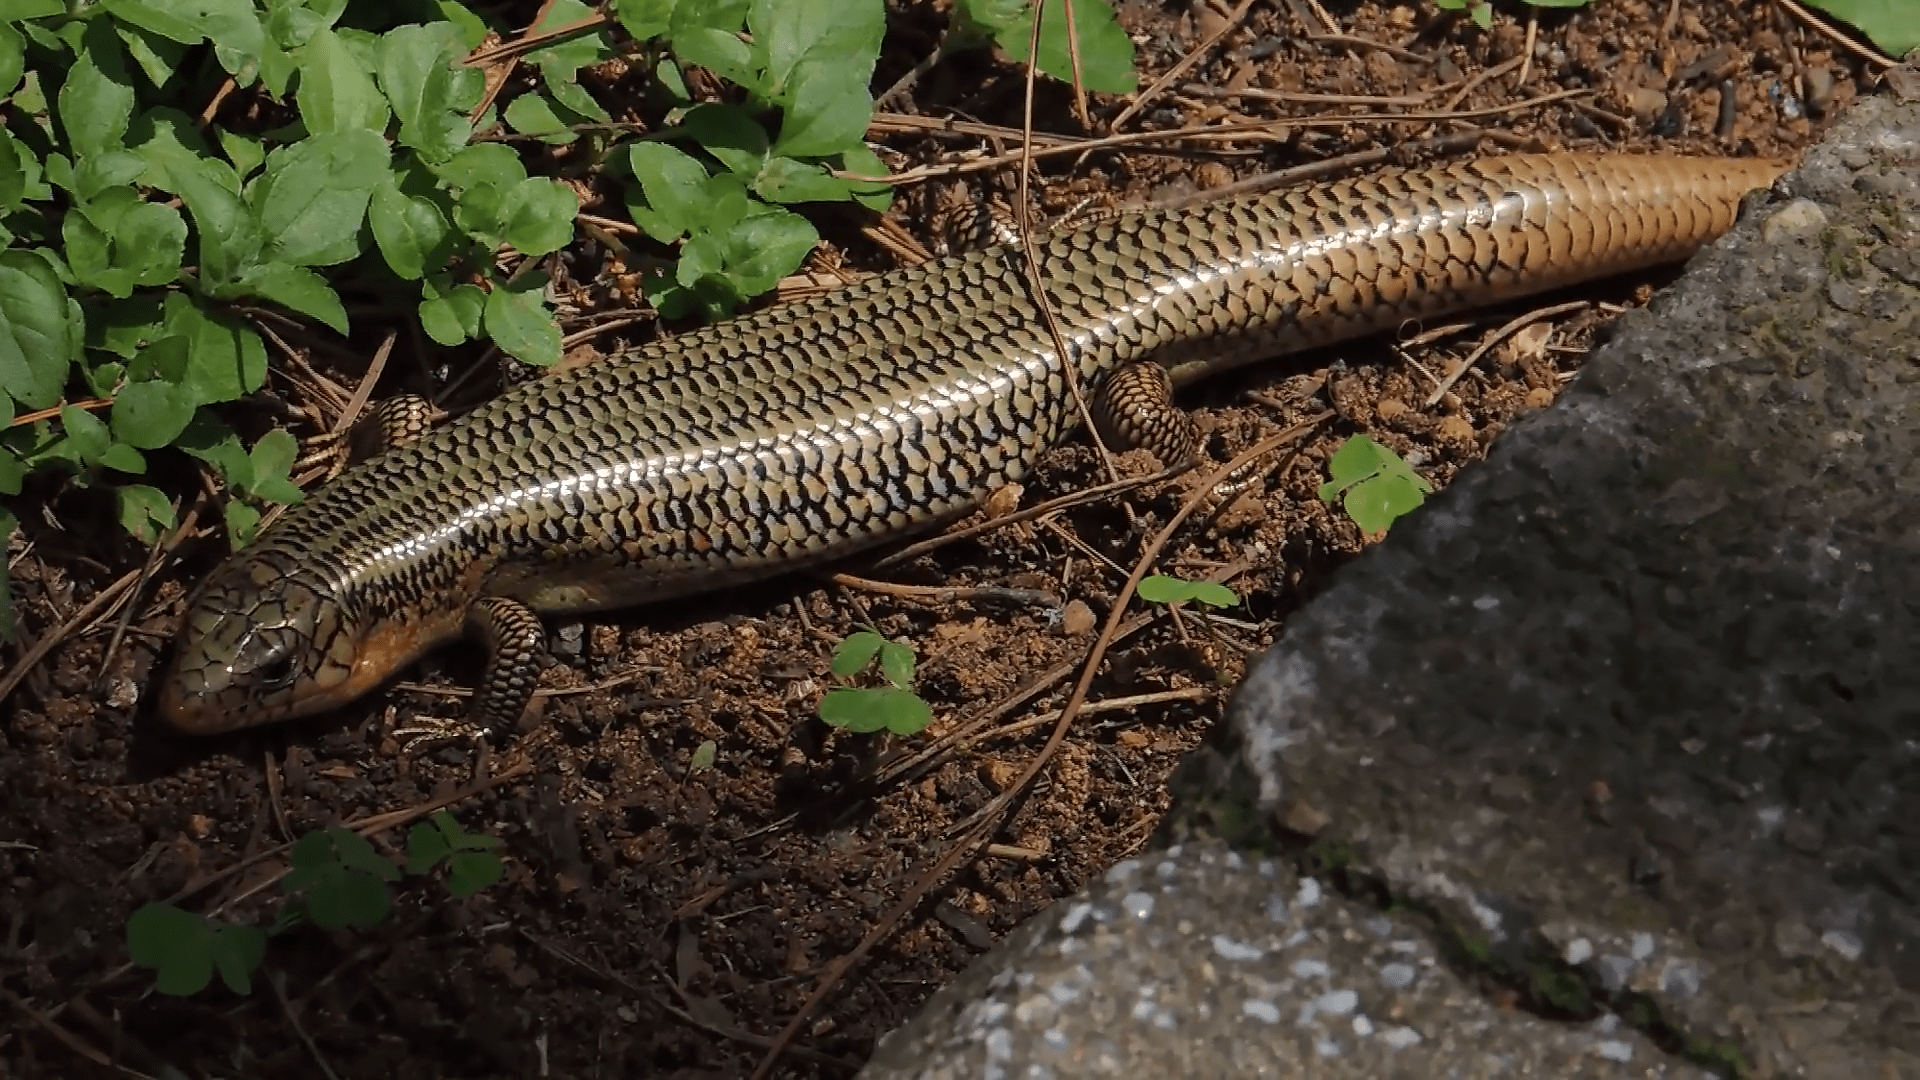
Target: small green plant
[338,881]
[1106,53]
[1893,25]
[1373,484]
[704,756]
[1481,11]
[1161,589]
[893,707]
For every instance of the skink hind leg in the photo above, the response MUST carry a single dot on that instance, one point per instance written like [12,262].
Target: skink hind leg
[399,419]
[515,642]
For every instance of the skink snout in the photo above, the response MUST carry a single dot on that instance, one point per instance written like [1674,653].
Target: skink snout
[251,649]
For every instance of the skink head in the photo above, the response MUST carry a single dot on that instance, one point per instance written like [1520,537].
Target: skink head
[262,641]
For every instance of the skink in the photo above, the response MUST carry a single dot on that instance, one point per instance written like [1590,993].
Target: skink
[809,431]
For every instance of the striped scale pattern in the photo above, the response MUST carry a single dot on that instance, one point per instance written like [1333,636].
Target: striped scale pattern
[808,431]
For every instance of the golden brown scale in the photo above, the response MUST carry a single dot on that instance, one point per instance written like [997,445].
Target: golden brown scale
[807,432]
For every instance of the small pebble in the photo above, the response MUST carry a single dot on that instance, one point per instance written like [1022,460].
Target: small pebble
[1076,619]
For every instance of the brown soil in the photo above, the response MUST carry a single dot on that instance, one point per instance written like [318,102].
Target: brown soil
[660,920]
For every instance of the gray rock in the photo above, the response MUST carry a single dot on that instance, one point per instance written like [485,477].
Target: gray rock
[1628,719]
[1641,694]
[1195,962]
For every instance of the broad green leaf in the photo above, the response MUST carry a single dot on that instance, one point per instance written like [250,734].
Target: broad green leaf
[762,249]
[226,359]
[237,953]
[454,317]
[13,59]
[151,414]
[246,153]
[176,945]
[116,249]
[89,437]
[708,34]
[1106,53]
[40,330]
[159,57]
[144,511]
[299,289]
[1893,25]
[482,163]
[123,458]
[337,93]
[410,230]
[841,35]
[208,440]
[273,457]
[519,321]
[730,134]
[862,161]
[242,521]
[643,19]
[539,215]
[13,175]
[123,327]
[98,172]
[560,60]
[234,24]
[313,197]
[481,211]
[96,102]
[896,664]
[785,180]
[13,11]
[416,71]
[574,98]
[674,187]
[825,112]
[533,115]
[853,655]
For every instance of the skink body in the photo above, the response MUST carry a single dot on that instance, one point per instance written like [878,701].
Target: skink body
[809,431]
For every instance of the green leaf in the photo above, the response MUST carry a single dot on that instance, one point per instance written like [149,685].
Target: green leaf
[123,458]
[533,115]
[88,436]
[854,654]
[177,945]
[151,414]
[96,102]
[1893,25]
[246,153]
[539,217]
[159,57]
[410,229]
[226,359]
[13,174]
[643,19]
[416,68]
[862,161]
[13,59]
[100,172]
[234,24]
[518,320]
[272,458]
[470,872]
[21,10]
[118,243]
[1373,484]
[454,317]
[674,187]
[243,522]
[785,180]
[314,194]
[896,664]
[337,93]
[730,134]
[298,289]
[482,163]
[40,330]
[826,112]
[573,98]
[864,711]
[237,953]
[1106,53]
[145,512]
[762,249]
[704,756]
[708,34]
[791,35]
[568,55]
[13,473]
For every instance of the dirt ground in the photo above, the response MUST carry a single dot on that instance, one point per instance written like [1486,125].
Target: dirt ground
[662,920]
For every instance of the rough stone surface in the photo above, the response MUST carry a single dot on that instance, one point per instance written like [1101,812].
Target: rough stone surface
[1195,962]
[1642,694]
[1632,712]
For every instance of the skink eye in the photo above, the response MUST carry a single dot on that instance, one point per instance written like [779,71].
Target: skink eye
[269,660]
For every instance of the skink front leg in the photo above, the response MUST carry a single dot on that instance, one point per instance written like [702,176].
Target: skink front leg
[515,643]
[399,419]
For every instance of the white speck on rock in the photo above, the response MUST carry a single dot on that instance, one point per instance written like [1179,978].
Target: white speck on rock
[1615,1050]
[1309,894]
[1843,943]
[1327,1048]
[1399,1038]
[1138,904]
[1310,969]
[1579,951]
[1337,1002]
[1362,1026]
[1277,908]
[1264,1011]
[1228,949]
[1075,916]
[1642,945]
[1397,976]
